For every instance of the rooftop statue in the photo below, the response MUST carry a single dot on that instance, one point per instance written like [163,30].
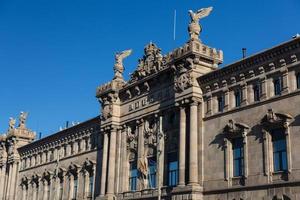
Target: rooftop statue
[12,123]
[22,119]
[119,68]
[194,26]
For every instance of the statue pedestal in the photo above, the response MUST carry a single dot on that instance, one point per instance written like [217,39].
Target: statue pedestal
[190,192]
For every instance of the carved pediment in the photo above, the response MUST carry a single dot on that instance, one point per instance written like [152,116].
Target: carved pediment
[272,118]
[24,180]
[235,129]
[150,63]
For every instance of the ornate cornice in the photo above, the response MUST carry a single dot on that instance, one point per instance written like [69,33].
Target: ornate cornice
[251,62]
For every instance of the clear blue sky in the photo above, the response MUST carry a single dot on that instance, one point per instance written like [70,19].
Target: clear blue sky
[54,53]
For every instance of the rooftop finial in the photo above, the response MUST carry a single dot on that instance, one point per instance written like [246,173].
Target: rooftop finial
[119,68]
[194,26]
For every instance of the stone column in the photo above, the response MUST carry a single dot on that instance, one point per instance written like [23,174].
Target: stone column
[141,147]
[193,161]
[104,164]
[9,181]
[263,83]
[40,190]
[13,180]
[111,162]
[226,100]
[23,196]
[182,149]
[209,105]
[285,81]
[45,190]
[71,186]
[2,181]
[94,181]
[118,160]
[34,191]
[124,167]
[244,94]
[86,185]
[83,144]
[81,184]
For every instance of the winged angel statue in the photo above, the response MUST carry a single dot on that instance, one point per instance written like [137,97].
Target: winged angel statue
[194,26]
[119,68]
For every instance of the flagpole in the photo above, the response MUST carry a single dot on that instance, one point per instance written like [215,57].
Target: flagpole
[174,26]
[160,161]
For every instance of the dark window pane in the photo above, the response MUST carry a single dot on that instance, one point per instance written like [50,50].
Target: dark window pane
[279,150]
[277,86]
[220,104]
[238,157]
[152,172]
[172,169]
[238,98]
[133,175]
[256,92]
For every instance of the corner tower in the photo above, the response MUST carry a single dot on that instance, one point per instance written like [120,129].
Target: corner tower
[157,112]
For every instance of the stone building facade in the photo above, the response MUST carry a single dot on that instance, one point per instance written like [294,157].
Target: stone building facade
[181,128]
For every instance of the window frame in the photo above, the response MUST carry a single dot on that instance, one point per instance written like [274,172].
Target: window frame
[298,80]
[256,92]
[277,85]
[132,178]
[172,158]
[221,104]
[240,159]
[281,153]
[235,131]
[238,97]
[271,122]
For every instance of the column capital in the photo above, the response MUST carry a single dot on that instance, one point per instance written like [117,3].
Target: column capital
[195,101]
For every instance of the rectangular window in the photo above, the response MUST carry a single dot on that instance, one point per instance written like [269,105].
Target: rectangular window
[279,150]
[61,189]
[133,175]
[238,98]
[91,184]
[277,86]
[221,104]
[238,157]
[298,80]
[256,93]
[152,172]
[75,188]
[48,191]
[172,169]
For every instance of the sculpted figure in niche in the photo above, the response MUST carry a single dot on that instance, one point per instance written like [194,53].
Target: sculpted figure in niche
[143,169]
